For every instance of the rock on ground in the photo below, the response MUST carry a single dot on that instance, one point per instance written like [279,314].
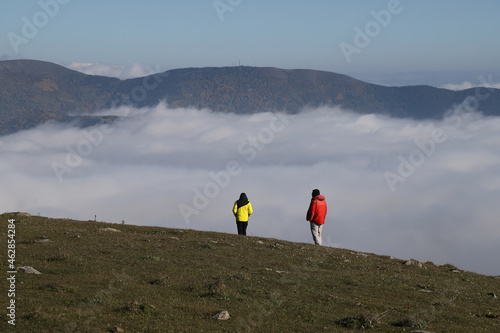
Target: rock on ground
[223,315]
[28,269]
[413,262]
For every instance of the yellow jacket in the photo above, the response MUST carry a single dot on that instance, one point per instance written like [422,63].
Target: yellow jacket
[243,212]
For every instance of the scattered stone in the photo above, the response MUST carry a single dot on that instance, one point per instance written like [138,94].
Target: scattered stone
[20,214]
[455,271]
[413,262]
[492,295]
[260,242]
[110,229]
[425,291]
[276,246]
[280,272]
[140,307]
[173,237]
[362,254]
[43,240]
[118,329]
[223,315]
[28,269]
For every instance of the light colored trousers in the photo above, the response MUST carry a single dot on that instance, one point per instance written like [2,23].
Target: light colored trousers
[316,232]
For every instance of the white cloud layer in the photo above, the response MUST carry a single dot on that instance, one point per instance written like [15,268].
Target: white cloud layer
[469,85]
[426,190]
[121,72]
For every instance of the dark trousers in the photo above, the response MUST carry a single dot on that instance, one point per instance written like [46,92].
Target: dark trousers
[242,227]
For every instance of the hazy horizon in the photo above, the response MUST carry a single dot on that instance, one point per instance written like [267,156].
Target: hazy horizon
[448,80]
[382,41]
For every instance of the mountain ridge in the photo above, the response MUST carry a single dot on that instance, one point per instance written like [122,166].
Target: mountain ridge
[36,91]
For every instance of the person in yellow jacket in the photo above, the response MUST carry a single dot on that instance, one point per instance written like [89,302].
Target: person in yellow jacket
[242,210]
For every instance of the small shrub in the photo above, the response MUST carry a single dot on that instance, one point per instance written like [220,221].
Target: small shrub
[57,258]
[160,281]
[151,258]
[410,322]
[358,322]
[450,267]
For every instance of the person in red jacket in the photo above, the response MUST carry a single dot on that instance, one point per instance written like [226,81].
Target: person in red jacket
[316,215]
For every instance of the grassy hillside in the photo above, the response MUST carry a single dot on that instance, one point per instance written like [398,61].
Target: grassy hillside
[152,279]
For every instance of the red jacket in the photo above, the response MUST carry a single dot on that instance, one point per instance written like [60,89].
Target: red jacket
[317,210]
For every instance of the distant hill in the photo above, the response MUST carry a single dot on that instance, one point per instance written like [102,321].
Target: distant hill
[32,92]
[35,91]
[102,277]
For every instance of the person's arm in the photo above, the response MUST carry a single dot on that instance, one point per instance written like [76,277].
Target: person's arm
[311,211]
[250,210]
[235,208]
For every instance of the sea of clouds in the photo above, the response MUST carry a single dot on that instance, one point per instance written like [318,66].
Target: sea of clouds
[121,72]
[427,190]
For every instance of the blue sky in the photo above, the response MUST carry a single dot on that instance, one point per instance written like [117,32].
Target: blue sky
[433,42]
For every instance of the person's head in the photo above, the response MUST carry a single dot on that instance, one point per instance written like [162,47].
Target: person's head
[315,192]
[243,197]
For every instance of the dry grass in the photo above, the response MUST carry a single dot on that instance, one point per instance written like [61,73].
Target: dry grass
[152,279]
